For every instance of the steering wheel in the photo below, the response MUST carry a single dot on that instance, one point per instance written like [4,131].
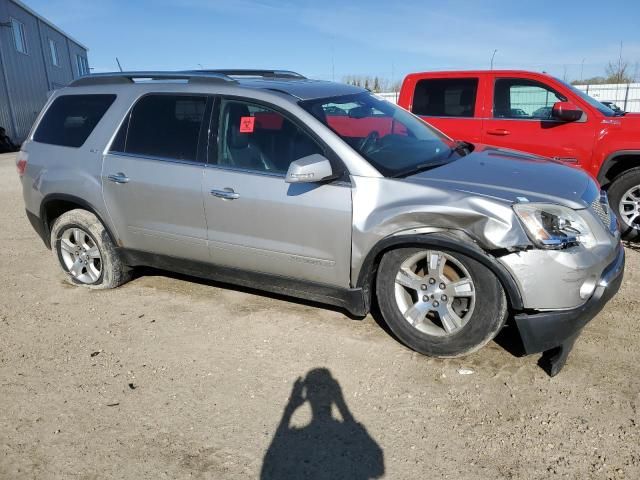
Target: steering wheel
[369,141]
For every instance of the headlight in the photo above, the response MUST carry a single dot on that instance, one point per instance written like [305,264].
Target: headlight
[553,226]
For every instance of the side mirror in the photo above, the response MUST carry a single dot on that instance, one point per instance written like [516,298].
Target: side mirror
[566,111]
[360,112]
[313,168]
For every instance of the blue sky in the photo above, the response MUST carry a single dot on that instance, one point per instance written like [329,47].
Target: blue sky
[332,38]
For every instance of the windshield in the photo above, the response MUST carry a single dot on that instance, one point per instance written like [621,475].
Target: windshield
[603,109]
[394,141]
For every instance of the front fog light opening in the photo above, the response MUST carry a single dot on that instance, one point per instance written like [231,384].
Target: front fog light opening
[588,287]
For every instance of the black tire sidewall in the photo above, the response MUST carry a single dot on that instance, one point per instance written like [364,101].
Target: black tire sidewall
[615,191]
[487,317]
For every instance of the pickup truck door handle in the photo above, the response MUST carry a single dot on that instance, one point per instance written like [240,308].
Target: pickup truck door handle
[118,178]
[498,131]
[226,194]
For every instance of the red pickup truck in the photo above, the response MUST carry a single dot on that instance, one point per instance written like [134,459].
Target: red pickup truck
[536,113]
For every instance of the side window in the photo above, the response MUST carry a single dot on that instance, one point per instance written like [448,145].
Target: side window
[82,65]
[166,126]
[19,36]
[523,99]
[445,97]
[71,118]
[253,137]
[53,50]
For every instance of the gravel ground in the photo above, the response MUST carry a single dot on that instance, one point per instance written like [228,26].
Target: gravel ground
[172,377]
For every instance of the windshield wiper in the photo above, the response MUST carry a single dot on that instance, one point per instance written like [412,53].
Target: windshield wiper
[419,168]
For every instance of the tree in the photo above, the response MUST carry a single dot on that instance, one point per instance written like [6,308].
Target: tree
[617,72]
[376,85]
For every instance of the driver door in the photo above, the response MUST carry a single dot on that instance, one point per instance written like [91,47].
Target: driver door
[258,222]
[521,120]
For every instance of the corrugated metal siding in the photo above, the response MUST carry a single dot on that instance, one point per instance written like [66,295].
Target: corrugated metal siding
[30,77]
[26,74]
[5,112]
[75,50]
[62,74]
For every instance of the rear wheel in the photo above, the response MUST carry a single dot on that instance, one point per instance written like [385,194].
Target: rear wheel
[85,251]
[438,302]
[624,196]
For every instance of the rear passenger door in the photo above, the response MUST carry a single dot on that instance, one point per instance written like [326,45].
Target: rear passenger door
[152,176]
[452,105]
[259,222]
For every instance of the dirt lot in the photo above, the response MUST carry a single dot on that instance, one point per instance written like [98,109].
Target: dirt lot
[169,377]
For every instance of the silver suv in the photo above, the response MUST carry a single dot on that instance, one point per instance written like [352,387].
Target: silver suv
[321,191]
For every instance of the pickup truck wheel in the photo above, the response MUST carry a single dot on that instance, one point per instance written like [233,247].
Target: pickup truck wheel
[85,251]
[439,303]
[624,197]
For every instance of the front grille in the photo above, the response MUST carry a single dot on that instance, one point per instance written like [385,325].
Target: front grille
[600,207]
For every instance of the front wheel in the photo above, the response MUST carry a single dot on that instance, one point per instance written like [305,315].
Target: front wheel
[438,302]
[624,197]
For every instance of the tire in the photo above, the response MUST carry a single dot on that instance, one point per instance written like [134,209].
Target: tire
[620,190]
[474,294]
[85,252]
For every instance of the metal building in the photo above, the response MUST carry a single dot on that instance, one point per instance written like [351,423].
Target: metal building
[35,58]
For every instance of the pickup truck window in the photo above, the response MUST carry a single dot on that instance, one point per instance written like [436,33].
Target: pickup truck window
[395,142]
[445,97]
[523,99]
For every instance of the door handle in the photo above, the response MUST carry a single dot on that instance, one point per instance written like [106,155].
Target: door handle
[118,178]
[226,194]
[498,131]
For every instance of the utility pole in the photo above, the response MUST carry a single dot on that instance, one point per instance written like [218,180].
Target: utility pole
[582,70]
[492,57]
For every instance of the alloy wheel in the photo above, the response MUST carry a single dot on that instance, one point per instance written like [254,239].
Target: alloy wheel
[435,293]
[629,207]
[80,255]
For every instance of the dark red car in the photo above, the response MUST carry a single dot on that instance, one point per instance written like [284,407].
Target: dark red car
[540,114]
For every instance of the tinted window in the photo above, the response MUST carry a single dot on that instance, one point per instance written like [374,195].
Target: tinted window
[254,137]
[445,97]
[165,126]
[71,118]
[523,99]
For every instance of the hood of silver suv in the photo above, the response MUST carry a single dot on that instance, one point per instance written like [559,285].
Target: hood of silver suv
[511,176]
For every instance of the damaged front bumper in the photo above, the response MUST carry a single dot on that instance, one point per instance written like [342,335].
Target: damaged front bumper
[554,332]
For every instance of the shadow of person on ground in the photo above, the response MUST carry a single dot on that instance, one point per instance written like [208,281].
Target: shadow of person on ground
[326,448]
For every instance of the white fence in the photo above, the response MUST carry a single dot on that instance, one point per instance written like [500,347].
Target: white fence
[390,96]
[625,95]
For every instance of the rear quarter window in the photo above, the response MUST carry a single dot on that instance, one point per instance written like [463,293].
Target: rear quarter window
[71,118]
[445,97]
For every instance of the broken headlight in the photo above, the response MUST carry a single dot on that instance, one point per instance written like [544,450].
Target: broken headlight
[552,226]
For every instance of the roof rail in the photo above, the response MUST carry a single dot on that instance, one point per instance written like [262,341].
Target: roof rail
[255,73]
[130,77]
